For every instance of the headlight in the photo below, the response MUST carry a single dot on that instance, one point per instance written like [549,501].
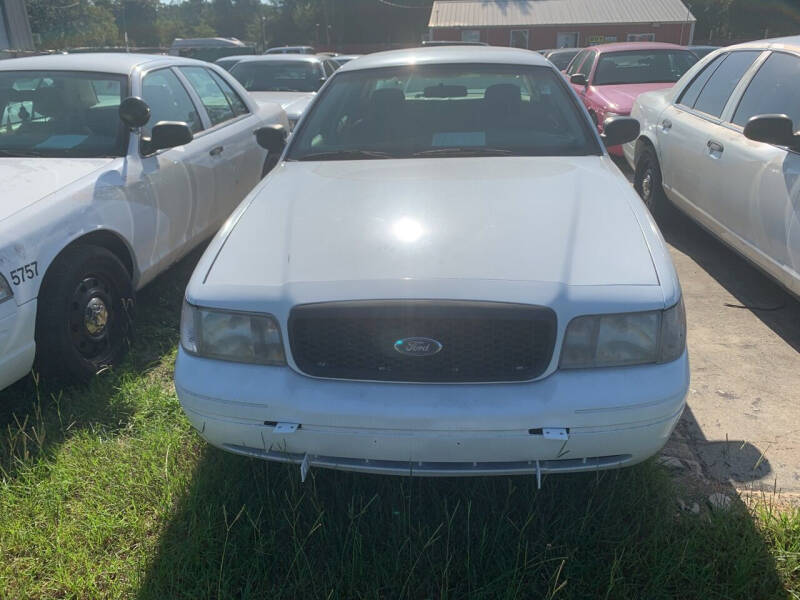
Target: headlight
[234,336]
[5,290]
[625,339]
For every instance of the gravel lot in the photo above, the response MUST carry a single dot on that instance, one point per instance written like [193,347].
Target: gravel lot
[743,416]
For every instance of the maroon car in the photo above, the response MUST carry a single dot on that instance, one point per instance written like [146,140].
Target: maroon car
[609,77]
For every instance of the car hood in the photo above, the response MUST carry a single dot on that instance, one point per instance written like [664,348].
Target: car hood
[25,181]
[620,98]
[294,103]
[564,220]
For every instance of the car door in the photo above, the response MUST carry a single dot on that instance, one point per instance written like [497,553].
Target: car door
[761,183]
[177,183]
[238,161]
[689,131]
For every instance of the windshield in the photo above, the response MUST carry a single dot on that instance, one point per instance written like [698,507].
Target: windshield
[642,66]
[279,76]
[444,110]
[61,114]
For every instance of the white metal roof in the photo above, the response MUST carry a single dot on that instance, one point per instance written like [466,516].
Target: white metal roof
[500,13]
[432,55]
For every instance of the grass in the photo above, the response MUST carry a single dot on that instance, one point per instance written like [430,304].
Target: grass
[106,492]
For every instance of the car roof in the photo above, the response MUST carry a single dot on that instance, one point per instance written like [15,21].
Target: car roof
[100,62]
[290,48]
[620,46]
[789,43]
[447,54]
[309,58]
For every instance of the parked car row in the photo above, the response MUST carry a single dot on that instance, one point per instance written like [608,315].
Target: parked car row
[443,274]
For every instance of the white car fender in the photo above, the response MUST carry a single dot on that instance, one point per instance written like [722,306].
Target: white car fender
[37,235]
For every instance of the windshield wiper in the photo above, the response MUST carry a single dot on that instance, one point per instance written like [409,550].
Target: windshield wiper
[19,153]
[461,151]
[345,155]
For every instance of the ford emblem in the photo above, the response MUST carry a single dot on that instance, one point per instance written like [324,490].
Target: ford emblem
[418,346]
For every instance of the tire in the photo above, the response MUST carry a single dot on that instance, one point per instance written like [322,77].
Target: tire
[647,182]
[85,314]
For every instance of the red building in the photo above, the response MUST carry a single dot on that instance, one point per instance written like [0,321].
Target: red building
[539,24]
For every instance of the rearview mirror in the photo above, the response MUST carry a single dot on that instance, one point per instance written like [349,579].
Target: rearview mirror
[619,130]
[771,129]
[272,138]
[167,134]
[134,112]
[579,79]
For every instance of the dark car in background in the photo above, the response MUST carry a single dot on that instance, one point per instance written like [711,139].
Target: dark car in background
[561,57]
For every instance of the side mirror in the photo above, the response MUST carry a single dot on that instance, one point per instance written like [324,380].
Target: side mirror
[272,138]
[771,129]
[134,112]
[579,79]
[167,134]
[619,130]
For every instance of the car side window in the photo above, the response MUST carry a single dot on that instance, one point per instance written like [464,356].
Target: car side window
[168,101]
[328,68]
[692,91]
[217,106]
[588,63]
[572,68]
[236,102]
[775,89]
[723,81]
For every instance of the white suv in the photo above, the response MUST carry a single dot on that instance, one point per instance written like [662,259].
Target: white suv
[721,145]
[445,275]
[112,167]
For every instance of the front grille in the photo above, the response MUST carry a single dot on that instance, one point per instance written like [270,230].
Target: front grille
[480,341]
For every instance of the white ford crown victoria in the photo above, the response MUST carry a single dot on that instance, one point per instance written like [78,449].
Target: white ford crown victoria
[444,275]
[722,145]
[102,191]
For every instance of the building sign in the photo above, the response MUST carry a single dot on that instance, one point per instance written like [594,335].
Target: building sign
[594,40]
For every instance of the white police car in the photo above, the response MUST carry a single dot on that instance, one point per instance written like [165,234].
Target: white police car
[101,191]
[446,275]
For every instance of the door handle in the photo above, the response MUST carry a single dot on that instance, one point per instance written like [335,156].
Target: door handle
[216,151]
[715,147]
[666,124]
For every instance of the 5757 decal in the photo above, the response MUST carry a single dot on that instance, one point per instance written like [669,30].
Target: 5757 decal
[25,272]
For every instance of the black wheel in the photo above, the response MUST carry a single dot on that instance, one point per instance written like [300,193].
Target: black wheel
[85,313]
[647,182]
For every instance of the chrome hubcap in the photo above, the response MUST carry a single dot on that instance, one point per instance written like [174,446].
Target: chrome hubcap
[647,185]
[95,316]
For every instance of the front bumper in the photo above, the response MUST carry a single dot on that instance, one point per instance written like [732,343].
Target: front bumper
[17,346]
[614,416]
